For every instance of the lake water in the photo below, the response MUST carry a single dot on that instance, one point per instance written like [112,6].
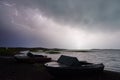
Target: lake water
[110,58]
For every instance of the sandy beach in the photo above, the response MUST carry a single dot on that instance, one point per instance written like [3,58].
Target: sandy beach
[24,71]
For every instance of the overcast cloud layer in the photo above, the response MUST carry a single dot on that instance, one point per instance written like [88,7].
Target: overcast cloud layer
[72,24]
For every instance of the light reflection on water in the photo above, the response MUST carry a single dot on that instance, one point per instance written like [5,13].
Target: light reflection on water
[111,59]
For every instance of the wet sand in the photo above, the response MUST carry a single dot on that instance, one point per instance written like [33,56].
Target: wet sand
[23,71]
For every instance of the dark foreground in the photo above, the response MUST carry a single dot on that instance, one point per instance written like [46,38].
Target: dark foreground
[24,71]
[106,75]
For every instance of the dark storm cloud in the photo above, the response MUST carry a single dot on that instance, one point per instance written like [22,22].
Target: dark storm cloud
[60,23]
[12,34]
[92,13]
[88,12]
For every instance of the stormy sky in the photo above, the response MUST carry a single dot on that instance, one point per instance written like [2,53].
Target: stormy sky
[71,24]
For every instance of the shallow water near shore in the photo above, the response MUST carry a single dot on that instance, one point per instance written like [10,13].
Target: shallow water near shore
[110,58]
